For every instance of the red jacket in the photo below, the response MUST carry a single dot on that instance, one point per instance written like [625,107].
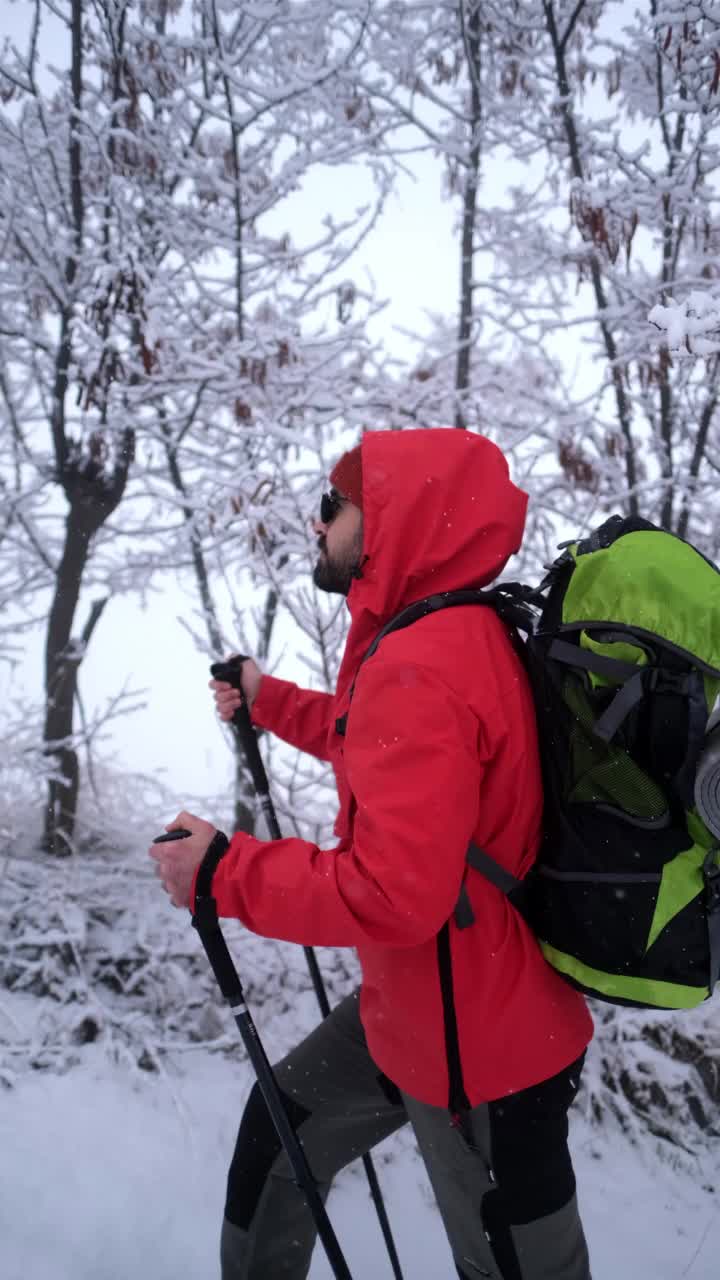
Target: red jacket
[440,749]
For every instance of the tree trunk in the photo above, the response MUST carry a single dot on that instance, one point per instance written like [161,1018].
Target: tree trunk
[62,659]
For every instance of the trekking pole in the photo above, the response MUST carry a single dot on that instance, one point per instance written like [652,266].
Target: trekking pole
[244,731]
[206,922]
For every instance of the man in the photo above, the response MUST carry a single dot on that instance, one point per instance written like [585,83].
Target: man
[466,1032]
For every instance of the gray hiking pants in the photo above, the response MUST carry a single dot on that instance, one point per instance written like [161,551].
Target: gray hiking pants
[505,1188]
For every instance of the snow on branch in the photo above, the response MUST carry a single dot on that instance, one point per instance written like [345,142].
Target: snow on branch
[692,326]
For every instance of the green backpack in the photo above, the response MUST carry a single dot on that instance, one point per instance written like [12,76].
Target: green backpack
[623,654]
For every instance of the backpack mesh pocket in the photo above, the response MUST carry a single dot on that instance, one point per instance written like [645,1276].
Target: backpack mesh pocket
[605,774]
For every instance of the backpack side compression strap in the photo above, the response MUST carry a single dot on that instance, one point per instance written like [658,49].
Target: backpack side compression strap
[479,860]
[636,682]
[711,877]
[629,694]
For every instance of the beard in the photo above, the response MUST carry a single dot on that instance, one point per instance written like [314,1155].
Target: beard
[337,573]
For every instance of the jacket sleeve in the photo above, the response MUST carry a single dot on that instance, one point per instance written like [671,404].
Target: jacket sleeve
[414,767]
[301,717]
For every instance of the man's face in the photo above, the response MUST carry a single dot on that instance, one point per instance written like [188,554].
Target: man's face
[340,540]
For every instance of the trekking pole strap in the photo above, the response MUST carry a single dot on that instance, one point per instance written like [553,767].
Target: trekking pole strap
[205,920]
[217,848]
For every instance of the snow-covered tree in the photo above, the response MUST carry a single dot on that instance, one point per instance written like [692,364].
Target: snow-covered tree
[157,307]
[614,116]
[72,289]
[577,143]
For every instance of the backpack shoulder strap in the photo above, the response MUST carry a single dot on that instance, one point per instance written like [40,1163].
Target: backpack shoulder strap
[512,602]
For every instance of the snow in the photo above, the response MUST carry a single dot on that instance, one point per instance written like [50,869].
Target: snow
[689,326]
[109,1174]
[114,1172]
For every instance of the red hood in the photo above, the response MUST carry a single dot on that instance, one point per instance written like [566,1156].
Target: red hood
[440,512]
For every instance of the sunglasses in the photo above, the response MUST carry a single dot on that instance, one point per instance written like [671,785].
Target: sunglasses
[330,504]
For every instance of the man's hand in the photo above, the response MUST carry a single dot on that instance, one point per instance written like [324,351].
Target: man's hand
[228,699]
[178,860]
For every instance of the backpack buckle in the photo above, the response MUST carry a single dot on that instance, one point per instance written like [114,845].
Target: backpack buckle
[661,681]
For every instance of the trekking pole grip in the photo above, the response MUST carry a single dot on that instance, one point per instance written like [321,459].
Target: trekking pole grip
[231,673]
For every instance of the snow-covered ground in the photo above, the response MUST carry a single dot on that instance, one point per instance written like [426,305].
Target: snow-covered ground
[111,1174]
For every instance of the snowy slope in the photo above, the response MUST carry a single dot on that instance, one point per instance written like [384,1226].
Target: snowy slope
[108,1175]
[124,1080]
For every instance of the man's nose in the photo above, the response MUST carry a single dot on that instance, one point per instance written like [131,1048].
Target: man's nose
[319,527]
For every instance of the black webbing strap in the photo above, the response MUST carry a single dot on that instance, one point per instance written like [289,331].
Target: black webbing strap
[600,877]
[464,914]
[622,704]
[503,880]
[458,1101]
[215,851]
[711,876]
[630,693]
[697,717]
[637,681]
[205,919]
[573,656]
[411,613]
[481,861]
[512,602]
